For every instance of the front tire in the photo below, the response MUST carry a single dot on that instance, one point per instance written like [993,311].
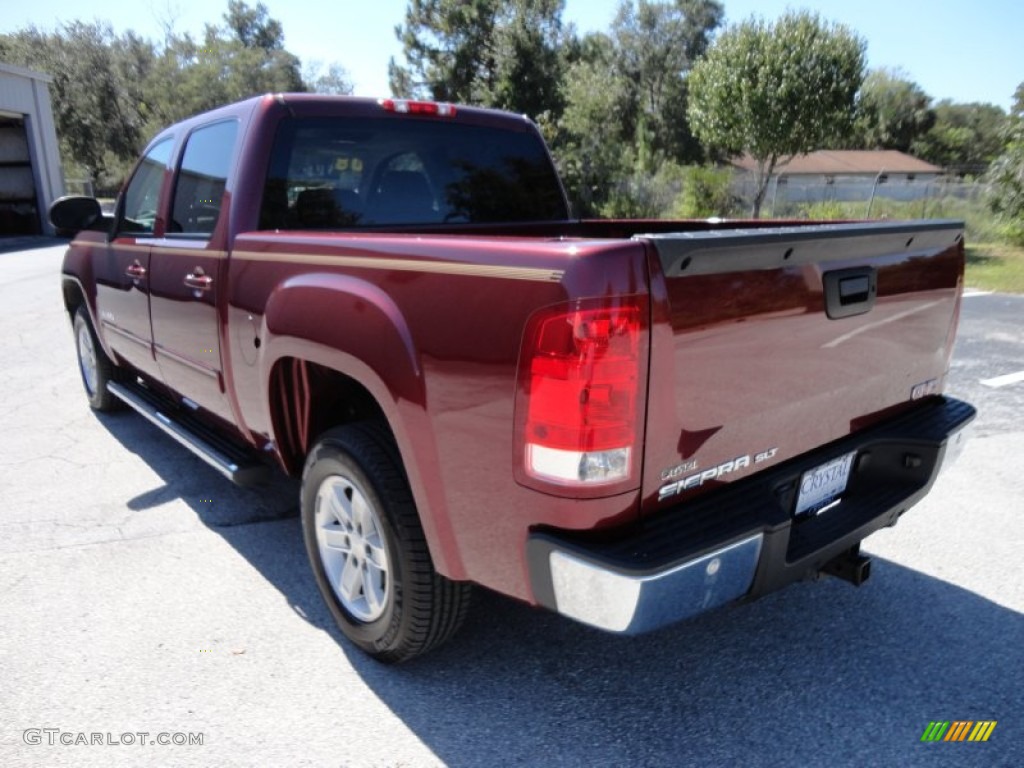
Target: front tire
[367,549]
[93,364]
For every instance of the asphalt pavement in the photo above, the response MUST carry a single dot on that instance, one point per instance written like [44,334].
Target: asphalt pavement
[140,593]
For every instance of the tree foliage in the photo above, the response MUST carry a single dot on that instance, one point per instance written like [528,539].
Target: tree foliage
[497,53]
[706,193]
[253,27]
[588,140]
[1006,174]
[625,105]
[776,90]
[111,93]
[656,45]
[330,79]
[892,111]
[445,44]
[528,65]
[243,57]
[965,138]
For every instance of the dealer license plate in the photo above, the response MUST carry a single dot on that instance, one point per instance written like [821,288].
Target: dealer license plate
[821,486]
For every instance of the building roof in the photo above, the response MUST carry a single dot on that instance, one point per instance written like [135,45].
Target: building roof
[833,162]
[10,69]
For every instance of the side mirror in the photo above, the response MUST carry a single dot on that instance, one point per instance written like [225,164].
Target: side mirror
[73,213]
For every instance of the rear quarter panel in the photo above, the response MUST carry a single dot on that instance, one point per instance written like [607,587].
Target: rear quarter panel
[432,327]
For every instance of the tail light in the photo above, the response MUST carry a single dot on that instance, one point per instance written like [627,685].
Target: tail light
[582,375]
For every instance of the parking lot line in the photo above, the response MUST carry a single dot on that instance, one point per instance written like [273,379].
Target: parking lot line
[1004,381]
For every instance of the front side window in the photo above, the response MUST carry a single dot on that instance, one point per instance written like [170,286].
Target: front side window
[142,194]
[341,173]
[199,190]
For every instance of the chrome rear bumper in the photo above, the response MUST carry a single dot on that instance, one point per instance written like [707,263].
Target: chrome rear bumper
[744,540]
[619,601]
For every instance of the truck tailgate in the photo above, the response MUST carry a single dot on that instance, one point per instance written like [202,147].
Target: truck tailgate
[768,343]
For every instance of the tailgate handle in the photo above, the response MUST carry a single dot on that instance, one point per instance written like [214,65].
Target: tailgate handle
[850,292]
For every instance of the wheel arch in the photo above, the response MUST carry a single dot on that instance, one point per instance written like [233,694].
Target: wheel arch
[337,349]
[75,296]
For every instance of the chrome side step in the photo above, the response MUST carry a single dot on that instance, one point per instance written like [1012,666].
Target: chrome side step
[233,464]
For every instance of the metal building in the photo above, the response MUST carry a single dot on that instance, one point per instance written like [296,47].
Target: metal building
[30,173]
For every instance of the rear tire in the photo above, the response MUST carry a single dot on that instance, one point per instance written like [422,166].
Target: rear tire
[367,549]
[93,364]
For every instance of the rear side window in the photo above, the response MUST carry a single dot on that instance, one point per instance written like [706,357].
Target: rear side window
[342,173]
[199,190]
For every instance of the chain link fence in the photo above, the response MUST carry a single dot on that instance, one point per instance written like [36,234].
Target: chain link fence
[879,197]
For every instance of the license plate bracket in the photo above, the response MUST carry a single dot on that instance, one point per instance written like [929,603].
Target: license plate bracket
[822,486]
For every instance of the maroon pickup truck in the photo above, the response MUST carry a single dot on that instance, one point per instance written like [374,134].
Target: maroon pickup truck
[627,422]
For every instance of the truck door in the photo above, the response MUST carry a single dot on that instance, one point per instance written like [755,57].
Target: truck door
[188,268]
[122,267]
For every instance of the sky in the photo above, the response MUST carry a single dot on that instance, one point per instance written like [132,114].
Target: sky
[954,50]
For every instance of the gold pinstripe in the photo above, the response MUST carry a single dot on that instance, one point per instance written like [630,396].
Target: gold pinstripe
[535,274]
[409,265]
[174,251]
[162,246]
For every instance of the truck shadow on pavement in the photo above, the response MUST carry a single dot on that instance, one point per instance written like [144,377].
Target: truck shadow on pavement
[820,674]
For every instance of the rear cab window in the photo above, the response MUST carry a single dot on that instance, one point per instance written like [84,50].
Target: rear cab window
[353,172]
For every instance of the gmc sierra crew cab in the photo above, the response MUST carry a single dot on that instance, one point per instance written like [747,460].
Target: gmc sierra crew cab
[626,422]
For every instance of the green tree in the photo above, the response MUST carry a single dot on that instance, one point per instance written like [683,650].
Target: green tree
[253,27]
[625,107]
[706,192]
[1006,174]
[444,43]
[965,138]
[331,79]
[776,90]
[528,65]
[656,44]
[588,142]
[243,57]
[497,53]
[892,111]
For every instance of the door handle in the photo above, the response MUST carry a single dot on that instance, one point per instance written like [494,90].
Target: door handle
[198,280]
[135,271]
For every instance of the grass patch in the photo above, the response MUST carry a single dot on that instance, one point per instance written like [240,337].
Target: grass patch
[980,224]
[995,267]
